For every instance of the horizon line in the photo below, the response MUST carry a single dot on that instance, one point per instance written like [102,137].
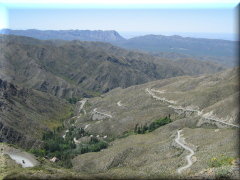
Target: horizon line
[24,29]
[180,34]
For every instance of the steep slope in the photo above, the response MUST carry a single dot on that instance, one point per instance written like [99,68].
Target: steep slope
[25,114]
[205,108]
[83,35]
[74,69]
[208,97]
[221,51]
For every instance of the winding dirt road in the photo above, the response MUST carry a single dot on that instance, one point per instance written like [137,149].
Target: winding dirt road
[86,126]
[82,105]
[186,109]
[188,157]
[119,104]
[20,159]
[163,99]
[101,113]
[23,158]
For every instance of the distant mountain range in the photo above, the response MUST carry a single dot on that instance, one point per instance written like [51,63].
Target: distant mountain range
[214,50]
[221,51]
[83,35]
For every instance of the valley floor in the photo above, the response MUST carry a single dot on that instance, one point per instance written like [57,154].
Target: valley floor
[184,127]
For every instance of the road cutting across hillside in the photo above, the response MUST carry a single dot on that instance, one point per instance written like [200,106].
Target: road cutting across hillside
[119,104]
[186,109]
[82,105]
[188,157]
[101,113]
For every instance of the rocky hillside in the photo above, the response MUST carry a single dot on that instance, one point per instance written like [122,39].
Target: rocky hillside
[205,108]
[25,114]
[74,69]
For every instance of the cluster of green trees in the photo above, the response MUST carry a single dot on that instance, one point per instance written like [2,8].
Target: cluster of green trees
[94,145]
[73,100]
[65,148]
[152,126]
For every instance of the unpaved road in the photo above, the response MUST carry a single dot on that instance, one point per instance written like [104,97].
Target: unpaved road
[82,105]
[185,109]
[215,119]
[79,111]
[77,116]
[24,161]
[65,134]
[101,113]
[163,99]
[20,157]
[188,157]
[86,126]
[119,103]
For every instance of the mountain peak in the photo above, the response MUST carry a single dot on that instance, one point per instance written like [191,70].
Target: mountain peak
[84,35]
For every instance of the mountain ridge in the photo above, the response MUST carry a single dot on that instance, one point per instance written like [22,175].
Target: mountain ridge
[72,68]
[214,50]
[84,35]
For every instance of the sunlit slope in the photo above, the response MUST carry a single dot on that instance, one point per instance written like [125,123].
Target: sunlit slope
[211,99]
[204,108]
[156,154]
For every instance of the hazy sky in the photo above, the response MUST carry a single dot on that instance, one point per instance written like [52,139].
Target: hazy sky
[152,20]
[208,19]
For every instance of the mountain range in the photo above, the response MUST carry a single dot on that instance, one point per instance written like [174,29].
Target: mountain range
[77,68]
[83,35]
[93,105]
[214,50]
[204,109]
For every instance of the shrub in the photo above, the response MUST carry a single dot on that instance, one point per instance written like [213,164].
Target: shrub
[73,100]
[221,161]
[223,173]
[38,152]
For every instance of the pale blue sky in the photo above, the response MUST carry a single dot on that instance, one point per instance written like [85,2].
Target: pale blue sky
[186,19]
[152,20]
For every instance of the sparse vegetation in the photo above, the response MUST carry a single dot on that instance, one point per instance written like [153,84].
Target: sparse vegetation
[55,122]
[223,173]
[27,113]
[221,161]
